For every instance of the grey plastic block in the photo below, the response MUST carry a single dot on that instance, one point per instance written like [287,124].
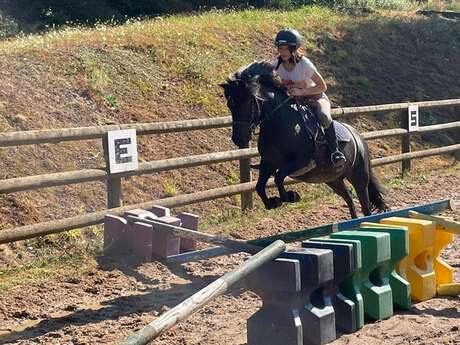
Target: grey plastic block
[296,306]
[317,271]
[278,322]
[344,266]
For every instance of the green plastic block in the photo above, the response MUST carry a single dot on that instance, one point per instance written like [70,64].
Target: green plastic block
[399,238]
[374,274]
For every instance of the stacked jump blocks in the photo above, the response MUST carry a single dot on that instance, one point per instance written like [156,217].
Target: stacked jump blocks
[144,241]
[333,284]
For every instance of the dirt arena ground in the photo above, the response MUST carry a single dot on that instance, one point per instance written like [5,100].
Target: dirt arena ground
[117,298]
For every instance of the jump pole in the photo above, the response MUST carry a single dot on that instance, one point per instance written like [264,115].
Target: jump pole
[449,225]
[205,295]
[228,246]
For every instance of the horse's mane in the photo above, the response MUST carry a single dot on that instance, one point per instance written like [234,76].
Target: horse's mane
[262,72]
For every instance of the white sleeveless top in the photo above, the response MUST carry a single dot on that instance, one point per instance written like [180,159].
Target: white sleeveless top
[303,70]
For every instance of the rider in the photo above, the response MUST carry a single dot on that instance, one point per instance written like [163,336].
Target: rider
[303,79]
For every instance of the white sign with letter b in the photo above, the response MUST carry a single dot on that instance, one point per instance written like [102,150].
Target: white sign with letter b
[122,147]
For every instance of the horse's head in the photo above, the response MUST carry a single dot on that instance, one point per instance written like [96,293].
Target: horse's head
[246,91]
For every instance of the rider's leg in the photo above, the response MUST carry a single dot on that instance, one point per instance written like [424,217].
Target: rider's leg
[323,111]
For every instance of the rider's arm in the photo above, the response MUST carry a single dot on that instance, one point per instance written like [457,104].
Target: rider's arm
[320,86]
[300,84]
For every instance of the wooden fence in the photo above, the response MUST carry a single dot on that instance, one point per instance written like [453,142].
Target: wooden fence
[245,188]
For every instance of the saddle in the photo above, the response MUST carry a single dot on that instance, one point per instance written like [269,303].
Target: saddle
[316,133]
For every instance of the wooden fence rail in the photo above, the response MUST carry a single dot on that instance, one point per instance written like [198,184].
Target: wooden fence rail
[244,156]
[100,174]
[85,133]
[93,218]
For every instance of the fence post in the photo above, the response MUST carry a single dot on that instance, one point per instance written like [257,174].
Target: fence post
[246,176]
[114,192]
[405,142]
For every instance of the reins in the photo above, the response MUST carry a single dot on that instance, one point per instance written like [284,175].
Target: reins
[253,124]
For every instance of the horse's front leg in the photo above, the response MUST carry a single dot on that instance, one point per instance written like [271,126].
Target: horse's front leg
[265,172]
[286,196]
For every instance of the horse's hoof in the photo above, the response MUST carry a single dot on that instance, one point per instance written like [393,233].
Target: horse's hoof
[292,196]
[274,202]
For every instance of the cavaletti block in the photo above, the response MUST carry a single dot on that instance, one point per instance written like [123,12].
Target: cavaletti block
[142,241]
[117,240]
[141,234]
[418,267]
[399,238]
[278,321]
[146,241]
[375,288]
[443,271]
[344,266]
[317,271]
[165,244]
[350,287]
[188,221]
[296,307]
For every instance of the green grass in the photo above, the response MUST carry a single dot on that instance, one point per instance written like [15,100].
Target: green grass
[43,269]
[227,220]
[409,180]
[169,188]
[377,4]
[70,253]
[112,101]
[202,50]
[452,5]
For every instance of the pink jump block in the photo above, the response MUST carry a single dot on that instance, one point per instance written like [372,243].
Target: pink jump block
[116,239]
[145,241]
[189,221]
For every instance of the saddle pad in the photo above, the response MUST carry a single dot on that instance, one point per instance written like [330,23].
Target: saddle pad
[343,134]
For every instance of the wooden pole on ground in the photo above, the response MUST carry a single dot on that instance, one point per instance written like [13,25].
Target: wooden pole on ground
[202,297]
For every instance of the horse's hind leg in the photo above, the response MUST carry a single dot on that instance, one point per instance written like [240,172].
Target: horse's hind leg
[361,186]
[339,187]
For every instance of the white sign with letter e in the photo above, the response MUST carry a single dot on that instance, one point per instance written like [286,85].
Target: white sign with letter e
[122,147]
[413,118]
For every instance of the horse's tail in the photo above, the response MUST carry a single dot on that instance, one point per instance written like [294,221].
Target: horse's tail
[376,191]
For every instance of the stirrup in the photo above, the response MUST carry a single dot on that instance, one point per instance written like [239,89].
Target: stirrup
[338,158]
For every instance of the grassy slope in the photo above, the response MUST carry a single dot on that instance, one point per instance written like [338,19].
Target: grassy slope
[168,69]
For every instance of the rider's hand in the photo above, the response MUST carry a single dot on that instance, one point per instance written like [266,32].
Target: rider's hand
[295,92]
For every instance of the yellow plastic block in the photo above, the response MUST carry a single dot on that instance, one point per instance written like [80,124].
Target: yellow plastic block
[418,266]
[444,272]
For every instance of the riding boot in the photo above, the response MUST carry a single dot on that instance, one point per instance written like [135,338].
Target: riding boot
[338,158]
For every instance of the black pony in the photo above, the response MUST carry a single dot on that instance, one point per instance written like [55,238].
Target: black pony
[288,145]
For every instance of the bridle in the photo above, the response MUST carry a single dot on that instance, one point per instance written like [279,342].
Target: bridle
[256,118]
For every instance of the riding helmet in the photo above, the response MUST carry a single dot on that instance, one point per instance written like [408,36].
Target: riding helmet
[288,37]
